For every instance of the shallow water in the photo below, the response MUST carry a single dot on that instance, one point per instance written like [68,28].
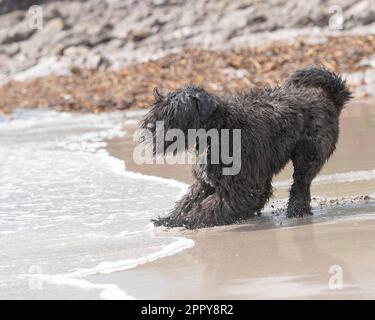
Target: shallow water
[271,256]
[68,209]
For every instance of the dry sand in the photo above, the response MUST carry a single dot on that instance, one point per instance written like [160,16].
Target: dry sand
[270,256]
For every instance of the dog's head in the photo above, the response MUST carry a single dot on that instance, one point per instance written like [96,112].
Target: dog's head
[186,108]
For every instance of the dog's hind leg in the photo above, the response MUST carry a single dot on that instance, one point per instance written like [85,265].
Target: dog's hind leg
[307,159]
[265,195]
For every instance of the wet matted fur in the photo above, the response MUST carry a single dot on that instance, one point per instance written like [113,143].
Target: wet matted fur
[296,121]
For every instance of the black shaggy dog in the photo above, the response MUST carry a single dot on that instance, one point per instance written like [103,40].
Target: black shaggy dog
[297,121]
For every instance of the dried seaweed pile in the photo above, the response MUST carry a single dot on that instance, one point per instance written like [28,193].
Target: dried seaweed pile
[219,71]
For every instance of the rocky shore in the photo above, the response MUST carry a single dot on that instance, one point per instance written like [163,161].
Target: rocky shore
[105,55]
[220,71]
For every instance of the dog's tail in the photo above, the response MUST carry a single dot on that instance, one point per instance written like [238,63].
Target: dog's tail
[319,77]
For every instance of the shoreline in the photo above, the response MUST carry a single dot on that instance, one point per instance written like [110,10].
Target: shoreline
[270,256]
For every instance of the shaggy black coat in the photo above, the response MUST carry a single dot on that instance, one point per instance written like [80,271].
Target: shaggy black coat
[297,121]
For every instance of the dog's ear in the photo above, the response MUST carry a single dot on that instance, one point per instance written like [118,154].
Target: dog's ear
[157,95]
[205,104]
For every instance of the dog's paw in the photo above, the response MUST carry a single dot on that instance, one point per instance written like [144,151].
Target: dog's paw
[173,221]
[187,221]
[162,222]
[296,210]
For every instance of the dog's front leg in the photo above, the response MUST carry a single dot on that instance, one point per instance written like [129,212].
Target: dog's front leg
[197,193]
[212,211]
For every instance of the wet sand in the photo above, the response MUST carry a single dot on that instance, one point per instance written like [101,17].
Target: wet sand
[272,257]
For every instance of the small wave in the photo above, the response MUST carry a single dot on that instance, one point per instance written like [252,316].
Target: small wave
[94,207]
[107,291]
[118,166]
[112,291]
[122,265]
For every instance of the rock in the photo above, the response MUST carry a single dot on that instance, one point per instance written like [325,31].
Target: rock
[11,19]
[368,19]
[115,43]
[100,29]
[81,57]
[51,11]
[18,33]
[96,62]
[11,5]
[53,26]
[256,19]
[159,3]
[77,51]
[139,34]
[75,40]
[57,49]
[10,50]
[358,8]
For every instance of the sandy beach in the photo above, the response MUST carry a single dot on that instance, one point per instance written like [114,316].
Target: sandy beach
[77,76]
[271,257]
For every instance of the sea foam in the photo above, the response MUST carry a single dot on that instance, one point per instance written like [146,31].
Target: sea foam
[68,209]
